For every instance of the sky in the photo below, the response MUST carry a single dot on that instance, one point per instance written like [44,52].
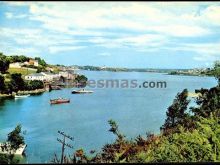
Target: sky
[115,34]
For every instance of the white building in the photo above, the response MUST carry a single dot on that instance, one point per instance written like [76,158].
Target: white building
[50,76]
[68,75]
[35,76]
[43,76]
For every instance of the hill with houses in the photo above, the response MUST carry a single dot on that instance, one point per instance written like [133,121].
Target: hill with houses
[21,73]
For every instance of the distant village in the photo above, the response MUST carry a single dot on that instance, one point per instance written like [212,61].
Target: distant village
[192,72]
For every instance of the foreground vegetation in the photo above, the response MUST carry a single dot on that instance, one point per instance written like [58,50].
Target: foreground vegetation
[15,139]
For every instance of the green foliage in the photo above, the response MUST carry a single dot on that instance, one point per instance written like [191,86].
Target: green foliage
[8,159]
[41,61]
[208,101]
[114,130]
[217,71]
[176,113]
[17,83]
[2,83]
[35,84]
[15,138]
[17,58]
[200,145]
[4,63]
[81,79]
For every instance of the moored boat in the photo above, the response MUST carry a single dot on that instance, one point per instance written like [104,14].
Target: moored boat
[59,101]
[55,87]
[81,91]
[22,96]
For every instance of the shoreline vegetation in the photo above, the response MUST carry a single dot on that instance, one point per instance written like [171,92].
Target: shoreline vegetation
[31,92]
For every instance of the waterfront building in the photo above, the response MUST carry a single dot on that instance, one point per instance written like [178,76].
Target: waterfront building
[35,76]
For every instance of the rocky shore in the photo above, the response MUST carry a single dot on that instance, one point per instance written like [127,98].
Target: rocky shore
[32,92]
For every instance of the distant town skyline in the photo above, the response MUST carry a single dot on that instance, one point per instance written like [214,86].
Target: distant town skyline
[114,34]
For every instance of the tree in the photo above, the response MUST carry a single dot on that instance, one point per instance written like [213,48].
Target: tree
[8,159]
[176,113]
[15,139]
[4,63]
[114,130]
[17,83]
[35,84]
[2,83]
[16,58]
[41,61]
[217,71]
[208,101]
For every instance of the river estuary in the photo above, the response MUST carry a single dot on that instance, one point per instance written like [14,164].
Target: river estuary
[136,111]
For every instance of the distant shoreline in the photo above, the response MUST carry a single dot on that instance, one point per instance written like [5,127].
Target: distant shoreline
[155,71]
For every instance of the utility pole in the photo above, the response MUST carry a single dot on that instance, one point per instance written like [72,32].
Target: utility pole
[63,142]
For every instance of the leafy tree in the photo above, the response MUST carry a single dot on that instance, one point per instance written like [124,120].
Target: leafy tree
[81,79]
[35,84]
[41,61]
[8,159]
[16,58]
[17,83]
[15,138]
[114,129]
[208,101]
[2,83]
[217,71]
[4,63]
[199,145]
[176,113]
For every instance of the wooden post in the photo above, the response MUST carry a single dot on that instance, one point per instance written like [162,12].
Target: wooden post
[63,142]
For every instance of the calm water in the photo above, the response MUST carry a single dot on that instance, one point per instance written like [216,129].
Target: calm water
[137,111]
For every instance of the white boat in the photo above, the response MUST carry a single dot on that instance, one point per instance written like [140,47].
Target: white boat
[22,96]
[81,91]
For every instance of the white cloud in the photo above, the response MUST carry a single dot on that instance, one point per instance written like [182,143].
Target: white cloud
[141,26]
[182,30]
[57,49]
[142,16]
[201,51]
[137,42]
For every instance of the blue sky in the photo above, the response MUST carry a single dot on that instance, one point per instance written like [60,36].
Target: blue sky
[116,34]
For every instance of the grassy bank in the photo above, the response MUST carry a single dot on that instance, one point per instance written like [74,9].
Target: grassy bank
[23,71]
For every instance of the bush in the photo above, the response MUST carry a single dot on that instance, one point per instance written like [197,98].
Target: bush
[35,84]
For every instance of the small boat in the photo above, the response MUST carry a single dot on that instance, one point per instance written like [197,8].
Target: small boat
[55,87]
[81,91]
[22,96]
[59,101]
